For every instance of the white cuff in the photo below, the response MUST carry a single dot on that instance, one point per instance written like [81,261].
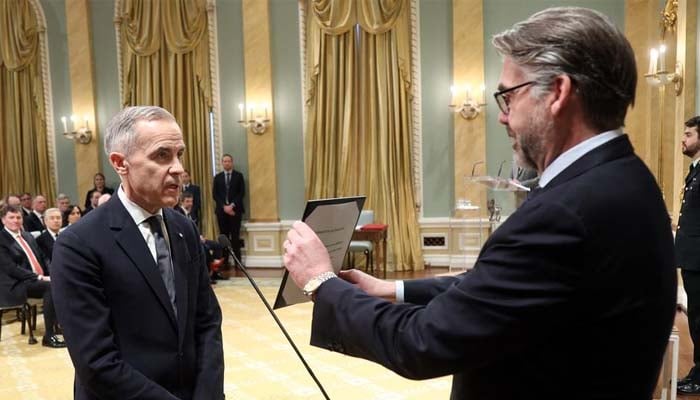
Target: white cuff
[399,291]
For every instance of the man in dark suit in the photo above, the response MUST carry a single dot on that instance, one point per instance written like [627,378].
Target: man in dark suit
[186,206]
[228,192]
[54,221]
[688,249]
[189,187]
[34,223]
[26,199]
[25,271]
[130,281]
[573,296]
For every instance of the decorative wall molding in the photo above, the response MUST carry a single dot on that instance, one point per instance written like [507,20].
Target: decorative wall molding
[417,127]
[217,146]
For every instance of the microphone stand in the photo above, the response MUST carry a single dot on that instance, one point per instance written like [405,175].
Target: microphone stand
[223,240]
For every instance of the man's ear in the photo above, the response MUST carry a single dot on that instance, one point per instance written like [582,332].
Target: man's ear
[562,92]
[119,163]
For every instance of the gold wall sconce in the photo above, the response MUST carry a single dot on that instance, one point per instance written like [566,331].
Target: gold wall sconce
[659,75]
[82,135]
[470,107]
[252,118]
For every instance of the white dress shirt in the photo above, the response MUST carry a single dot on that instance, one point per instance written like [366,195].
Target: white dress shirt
[139,215]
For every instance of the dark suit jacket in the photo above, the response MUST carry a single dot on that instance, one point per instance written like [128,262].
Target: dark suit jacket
[88,195]
[118,322]
[182,211]
[573,297]
[15,269]
[33,224]
[197,201]
[236,192]
[45,242]
[688,232]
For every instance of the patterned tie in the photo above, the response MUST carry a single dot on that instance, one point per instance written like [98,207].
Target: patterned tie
[36,266]
[165,265]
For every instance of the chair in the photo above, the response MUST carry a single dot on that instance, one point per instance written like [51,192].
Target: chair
[364,246]
[11,300]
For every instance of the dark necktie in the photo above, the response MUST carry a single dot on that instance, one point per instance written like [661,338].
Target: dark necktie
[165,265]
[228,185]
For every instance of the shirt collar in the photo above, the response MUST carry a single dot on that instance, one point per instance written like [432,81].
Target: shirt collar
[695,162]
[568,157]
[13,234]
[137,213]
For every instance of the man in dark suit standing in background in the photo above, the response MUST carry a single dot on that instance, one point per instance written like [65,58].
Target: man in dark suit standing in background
[130,282]
[228,192]
[688,249]
[189,187]
[25,270]
[574,295]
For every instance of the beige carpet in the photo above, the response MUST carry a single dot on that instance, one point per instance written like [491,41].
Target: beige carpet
[260,364]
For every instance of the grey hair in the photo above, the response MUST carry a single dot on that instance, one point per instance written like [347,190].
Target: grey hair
[583,44]
[120,135]
[62,196]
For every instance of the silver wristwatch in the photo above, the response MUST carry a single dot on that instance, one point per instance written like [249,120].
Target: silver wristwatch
[313,284]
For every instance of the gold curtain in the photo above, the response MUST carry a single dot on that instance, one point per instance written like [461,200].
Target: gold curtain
[358,134]
[165,62]
[24,152]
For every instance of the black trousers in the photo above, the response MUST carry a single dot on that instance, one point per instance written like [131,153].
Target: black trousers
[42,290]
[691,283]
[231,227]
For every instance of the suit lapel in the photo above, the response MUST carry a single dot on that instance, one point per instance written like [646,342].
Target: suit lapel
[130,239]
[180,256]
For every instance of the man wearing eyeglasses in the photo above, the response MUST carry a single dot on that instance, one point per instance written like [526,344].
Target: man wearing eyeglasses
[573,296]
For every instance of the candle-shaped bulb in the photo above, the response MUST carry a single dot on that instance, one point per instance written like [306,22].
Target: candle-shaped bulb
[251,110]
[653,56]
[662,57]
[265,105]
[86,118]
[453,93]
[482,100]
[73,120]
[469,93]
[240,110]
[65,125]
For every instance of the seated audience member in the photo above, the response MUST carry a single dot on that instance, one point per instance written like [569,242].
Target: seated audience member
[54,222]
[62,202]
[34,223]
[13,200]
[94,199]
[99,185]
[189,187]
[103,199]
[23,268]
[72,215]
[26,199]
[186,206]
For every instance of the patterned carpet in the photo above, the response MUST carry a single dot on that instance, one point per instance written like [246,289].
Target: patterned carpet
[260,364]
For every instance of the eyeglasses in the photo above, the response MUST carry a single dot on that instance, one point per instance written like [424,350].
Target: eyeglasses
[503,99]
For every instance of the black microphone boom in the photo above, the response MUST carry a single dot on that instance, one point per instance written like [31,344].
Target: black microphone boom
[223,240]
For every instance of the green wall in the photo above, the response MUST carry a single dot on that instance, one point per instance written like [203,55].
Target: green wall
[104,47]
[232,84]
[435,20]
[287,98]
[55,12]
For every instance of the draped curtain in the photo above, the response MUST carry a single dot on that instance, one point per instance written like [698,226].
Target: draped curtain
[358,133]
[164,47]
[24,151]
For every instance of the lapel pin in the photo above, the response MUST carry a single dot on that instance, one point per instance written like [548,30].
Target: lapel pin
[180,234]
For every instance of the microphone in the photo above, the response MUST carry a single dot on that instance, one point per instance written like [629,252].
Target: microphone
[474,166]
[500,168]
[223,240]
